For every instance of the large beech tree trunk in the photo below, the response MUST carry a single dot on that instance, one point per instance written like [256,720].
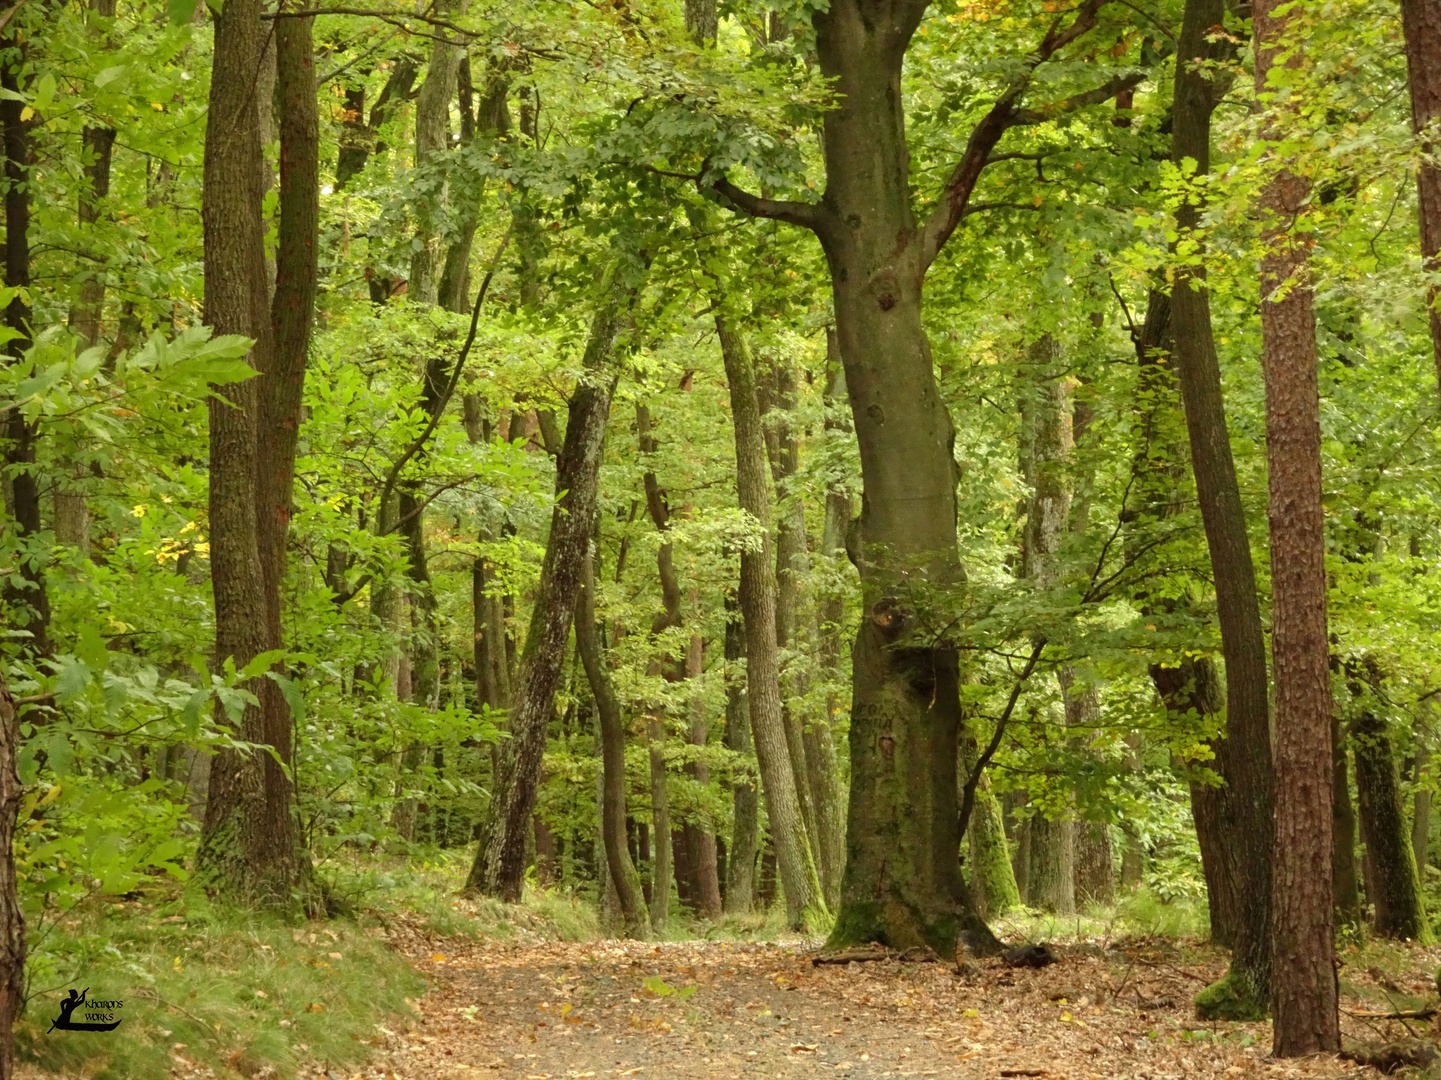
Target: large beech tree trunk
[804,898]
[1243,806]
[1421,26]
[499,867]
[12,918]
[1303,916]
[247,849]
[902,884]
[992,879]
[622,872]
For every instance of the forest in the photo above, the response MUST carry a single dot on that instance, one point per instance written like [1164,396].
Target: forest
[761,523]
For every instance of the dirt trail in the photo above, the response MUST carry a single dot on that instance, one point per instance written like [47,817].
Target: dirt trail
[532,1010]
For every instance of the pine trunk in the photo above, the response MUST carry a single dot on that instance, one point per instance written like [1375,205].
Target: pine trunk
[1303,915]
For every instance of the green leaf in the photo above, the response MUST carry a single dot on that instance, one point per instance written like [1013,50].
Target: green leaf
[181,12]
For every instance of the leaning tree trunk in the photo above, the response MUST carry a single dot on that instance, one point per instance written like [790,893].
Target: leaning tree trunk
[247,851]
[622,872]
[1303,917]
[499,867]
[741,862]
[12,918]
[1393,887]
[805,902]
[1246,800]
[1421,26]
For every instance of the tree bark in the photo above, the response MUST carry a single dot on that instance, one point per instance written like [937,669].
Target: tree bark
[700,837]
[1345,885]
[28,604]
[359,139]
[809,737]
[1303,916]
[1421,26]
[993,881]
[247,849]
[432,115]
[1246,800]
[1421,807]
[662,875]
[805,902]
[12,918]
[741,864]
[499,866]
[1393,888]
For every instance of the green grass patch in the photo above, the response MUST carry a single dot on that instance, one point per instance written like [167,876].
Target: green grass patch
[235,992]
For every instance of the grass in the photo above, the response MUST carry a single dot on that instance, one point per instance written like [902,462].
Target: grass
[242,994]
[1136,914]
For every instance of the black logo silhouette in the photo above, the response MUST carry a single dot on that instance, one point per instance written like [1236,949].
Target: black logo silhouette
[95,1011]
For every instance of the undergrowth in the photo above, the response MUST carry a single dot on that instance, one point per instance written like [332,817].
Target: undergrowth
[243,994]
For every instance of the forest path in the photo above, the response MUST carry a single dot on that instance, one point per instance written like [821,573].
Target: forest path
[536,1010]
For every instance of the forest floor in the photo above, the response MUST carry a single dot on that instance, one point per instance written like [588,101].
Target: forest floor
[529,1009]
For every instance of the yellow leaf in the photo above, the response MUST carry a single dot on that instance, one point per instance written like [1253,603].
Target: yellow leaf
[1066,1016]
[26,113]
[439,958]
[157,106]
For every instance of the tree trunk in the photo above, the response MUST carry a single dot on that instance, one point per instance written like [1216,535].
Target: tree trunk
[500,859]
[1345,886]
[1095,867]
[805,902]
[1247,797]
[623,876]
[1421,806]
[1303,916]
[809,737]
[902,884]
[700,838]
[741,865]
[1051,876]
[432,116]
[1421,26]
[993,881]
[28,604]
[247,851]
[662,875]
[359,138]
[1393,888]
[12,918]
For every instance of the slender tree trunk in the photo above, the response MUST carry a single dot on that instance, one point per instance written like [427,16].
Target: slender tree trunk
[740,867]
[432,116]
[993,881]
[28,603]
[247,849]
[1421,25]
[500,859]
[359,139]
[623,876]
[701,837]
[1394,888]
[804,898]
[12,918]
[1247,797]
[1303,915]
[662,876]
[811,744]
[1421,809]
[1345,885]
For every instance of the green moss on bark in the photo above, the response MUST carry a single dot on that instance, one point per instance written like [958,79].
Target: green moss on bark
[1230,999]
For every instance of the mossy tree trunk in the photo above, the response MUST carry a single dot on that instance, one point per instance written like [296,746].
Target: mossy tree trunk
[1345,884]
[741,860]
[992,881]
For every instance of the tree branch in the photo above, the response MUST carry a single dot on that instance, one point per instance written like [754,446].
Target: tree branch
[806,215]
[986,134]
[968,798]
